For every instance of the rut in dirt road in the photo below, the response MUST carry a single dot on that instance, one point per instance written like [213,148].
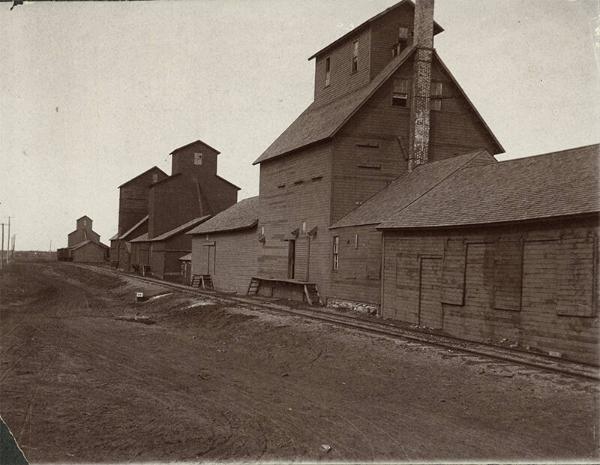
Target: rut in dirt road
[211,381]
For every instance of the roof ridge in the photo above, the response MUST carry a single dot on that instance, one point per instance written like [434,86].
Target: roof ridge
[547,154]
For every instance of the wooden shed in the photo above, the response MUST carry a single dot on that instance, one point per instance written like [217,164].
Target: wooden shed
[89,252]
[502,253]
[225,247]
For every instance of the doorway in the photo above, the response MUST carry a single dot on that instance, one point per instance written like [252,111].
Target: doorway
[430,296]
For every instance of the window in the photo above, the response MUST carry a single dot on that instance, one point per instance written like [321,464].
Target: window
[336,251]
[400,93]
[436,96]
[155,177]
[403,38]
[327,71]
[197,158]
[356,241]
[355,57]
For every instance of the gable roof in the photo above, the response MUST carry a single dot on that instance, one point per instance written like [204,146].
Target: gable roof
[436,27]
[154,168]
[82,217]
[134,227]
[142,238]
[408,188]
[186,258]
[185,227]
[228,182]
[322,121]
[242,215]
[197,141]
[84,243]
[545,186]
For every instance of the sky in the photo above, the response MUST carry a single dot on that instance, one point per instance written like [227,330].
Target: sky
[94,93]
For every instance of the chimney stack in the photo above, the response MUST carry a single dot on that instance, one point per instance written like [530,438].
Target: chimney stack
[420,108]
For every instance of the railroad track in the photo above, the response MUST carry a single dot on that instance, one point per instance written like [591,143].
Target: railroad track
[386,329]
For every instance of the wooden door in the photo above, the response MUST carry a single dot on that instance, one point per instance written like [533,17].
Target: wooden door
[210,259]
[430,295]
[301,253]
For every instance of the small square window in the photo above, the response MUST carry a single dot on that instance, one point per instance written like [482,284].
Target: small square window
[327,71]
[155,177]
[197,158]
[400,93]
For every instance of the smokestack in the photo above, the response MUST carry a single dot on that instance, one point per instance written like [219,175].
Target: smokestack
[419,112]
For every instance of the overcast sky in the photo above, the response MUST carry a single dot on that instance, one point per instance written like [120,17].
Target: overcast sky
[94,93]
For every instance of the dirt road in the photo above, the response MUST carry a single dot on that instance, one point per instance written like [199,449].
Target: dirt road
[88,375]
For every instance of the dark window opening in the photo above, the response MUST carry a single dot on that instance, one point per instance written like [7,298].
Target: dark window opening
[336,252]
[400,93]
[355,57]
[436,96]
[327,71]
[403,40]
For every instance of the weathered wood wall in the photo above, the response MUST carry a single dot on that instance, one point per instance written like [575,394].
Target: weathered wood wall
[532,287]
[229,257]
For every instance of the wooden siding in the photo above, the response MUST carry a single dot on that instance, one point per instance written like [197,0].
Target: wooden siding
[372,148]
[342,79]
[359,266]
[296,189]
[165,255]
[90,253]
[230,258]
[83,234]
[384,35]
[547,274]
[133,200]
[182,161]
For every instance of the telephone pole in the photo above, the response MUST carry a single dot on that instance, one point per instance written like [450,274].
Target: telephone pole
[2,254]
[8,243]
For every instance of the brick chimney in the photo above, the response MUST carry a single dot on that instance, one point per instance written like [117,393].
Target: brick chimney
[419,111]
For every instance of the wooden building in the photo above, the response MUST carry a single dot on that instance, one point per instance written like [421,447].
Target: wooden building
[384,103]
[225,247]
[176,204]
[89,252]
[84,244]
[356,267]
[502,253]
[133,215]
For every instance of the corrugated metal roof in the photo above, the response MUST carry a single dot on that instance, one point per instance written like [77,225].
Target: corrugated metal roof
[407,188]
[242,215]
[552,185]
[185,227]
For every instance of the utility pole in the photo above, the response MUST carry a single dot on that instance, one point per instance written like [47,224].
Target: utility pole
[8,243]
[2,255]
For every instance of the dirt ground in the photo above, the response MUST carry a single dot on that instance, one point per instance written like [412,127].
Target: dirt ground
[88,375]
